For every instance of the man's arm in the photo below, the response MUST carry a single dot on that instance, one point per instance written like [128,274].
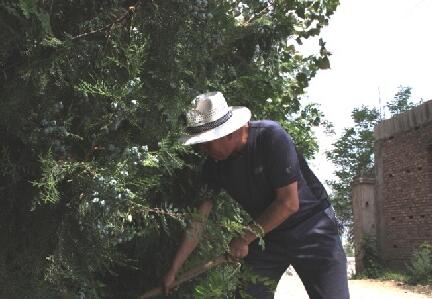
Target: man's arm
[285,204]
[188,244]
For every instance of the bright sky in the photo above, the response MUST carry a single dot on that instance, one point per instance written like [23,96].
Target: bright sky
[377,45]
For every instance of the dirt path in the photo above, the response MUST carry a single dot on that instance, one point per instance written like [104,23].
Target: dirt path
[290,286]
[368,289]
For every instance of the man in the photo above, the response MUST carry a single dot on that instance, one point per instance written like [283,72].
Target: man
[257,163]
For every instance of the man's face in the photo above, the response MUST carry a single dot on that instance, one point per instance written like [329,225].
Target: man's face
[219,149]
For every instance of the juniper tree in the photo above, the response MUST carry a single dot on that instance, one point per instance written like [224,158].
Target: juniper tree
[94,189]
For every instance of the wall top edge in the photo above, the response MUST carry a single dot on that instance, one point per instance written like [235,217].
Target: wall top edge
[363,180]
[405,121]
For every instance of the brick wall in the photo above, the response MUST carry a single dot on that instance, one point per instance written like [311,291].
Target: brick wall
[404,185]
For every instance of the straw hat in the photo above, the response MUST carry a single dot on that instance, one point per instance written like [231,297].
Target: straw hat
[211,118]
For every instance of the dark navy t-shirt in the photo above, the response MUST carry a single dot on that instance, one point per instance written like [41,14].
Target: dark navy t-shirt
[268,161]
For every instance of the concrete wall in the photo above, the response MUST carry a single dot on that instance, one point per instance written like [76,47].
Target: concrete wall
[403,158]
[364,214]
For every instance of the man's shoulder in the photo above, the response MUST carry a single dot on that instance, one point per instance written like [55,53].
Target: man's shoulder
[265,123]
[268,129]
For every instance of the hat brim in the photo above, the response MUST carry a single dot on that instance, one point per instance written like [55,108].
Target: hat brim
[240,116]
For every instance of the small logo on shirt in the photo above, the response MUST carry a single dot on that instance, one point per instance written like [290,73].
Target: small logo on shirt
[258,170]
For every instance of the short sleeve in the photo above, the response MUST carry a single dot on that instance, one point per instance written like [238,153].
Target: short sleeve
[281,156]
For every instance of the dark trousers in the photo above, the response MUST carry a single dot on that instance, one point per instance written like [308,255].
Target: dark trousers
[313,248]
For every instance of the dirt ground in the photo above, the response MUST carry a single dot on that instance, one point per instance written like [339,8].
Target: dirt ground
[290,286]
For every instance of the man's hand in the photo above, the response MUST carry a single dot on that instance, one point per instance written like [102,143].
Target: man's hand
[168,281]
[239,248]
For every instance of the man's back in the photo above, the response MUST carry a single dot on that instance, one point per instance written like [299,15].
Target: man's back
[268,161]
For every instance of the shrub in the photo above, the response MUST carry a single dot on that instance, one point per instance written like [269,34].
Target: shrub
[420,266]
[373,265]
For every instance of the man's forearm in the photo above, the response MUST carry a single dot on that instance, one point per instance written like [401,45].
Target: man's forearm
[191,237]
[279,210]
[271,218]
[188,244]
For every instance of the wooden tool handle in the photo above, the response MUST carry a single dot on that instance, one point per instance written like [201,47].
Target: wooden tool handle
[188,275]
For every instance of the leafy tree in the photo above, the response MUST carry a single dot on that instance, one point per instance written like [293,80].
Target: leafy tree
[401,101]
[94,188]
[352,155]
[353,152]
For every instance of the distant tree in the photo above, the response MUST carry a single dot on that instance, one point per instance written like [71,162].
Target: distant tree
[401,101]
[353,152]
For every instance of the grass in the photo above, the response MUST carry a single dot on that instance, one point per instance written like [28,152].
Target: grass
[402,280]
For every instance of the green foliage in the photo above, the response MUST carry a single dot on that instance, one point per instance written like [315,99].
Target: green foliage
[52,174]
[420,266]
[219,284]
[249,277]
[393,275]
[349,249]
[373,266]
[401,101]
[418,270]
[95,190]
[222,284]
[384,274]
